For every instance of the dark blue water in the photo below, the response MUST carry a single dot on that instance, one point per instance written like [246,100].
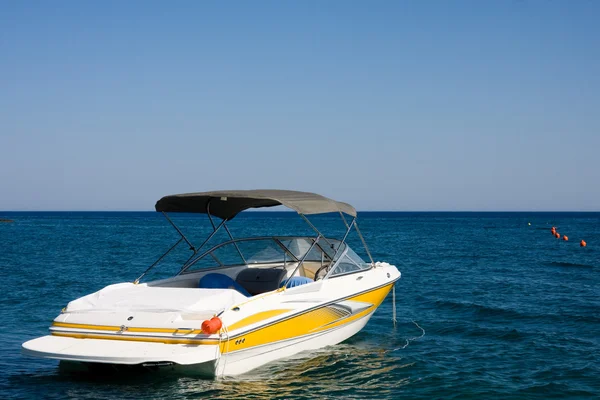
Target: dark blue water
[508,310]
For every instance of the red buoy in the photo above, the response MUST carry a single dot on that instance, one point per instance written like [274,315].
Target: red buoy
[556,235]
[565,238]
[553,230]
[212,325]
[583,243]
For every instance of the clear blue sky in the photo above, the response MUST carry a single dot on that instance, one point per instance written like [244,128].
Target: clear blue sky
[400,105]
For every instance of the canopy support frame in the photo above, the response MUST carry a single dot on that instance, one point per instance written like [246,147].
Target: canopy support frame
[192,262]
[195,257]
[180,233]
[362,239]
[315,240]
[226,229]
[343,241]
[235,244]
[157,261]
[285,249]
[208,213]
[316,230]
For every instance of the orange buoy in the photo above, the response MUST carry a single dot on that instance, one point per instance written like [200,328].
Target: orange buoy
[583,243]
[565,238]
[556,235]
[212,325]
[553,230]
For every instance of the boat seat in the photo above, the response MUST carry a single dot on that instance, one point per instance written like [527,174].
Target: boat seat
[260,280]
[220,281]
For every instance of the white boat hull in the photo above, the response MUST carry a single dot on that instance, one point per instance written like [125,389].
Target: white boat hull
[198,360]
[263,329]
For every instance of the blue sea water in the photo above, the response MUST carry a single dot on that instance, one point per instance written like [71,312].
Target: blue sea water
[488,306]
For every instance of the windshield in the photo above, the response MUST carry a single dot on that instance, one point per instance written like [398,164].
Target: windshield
[267,251]
[349,262]
[261,251]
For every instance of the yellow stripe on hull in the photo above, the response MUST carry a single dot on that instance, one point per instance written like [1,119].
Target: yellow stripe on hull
[252,319]
[314,321]
[240,324]
[129,329]
[136,338]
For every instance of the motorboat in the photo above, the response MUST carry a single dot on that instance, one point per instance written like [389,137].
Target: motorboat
[231,307]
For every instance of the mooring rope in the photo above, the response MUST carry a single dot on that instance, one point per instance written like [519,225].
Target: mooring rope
[394,305]
[414,338]
[409,340]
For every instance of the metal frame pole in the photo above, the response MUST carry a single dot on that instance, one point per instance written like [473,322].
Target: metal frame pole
[285,249]
[208,213]
[316,230]
[186,266]
[344,219]
[180,233]
[303,258]
[235,244]
[363,242]
[156,262]
[344,238]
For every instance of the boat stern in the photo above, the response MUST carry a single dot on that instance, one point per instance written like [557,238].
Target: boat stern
[119,352]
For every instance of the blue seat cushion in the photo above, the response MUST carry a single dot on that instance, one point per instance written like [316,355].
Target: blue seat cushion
[221,281]
[297,281]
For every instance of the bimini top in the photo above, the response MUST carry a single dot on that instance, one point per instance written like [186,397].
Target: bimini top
[228,203]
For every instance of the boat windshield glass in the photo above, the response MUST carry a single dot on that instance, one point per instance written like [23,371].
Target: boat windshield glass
[350,262]
[266,251]
[299,246]
[262,251]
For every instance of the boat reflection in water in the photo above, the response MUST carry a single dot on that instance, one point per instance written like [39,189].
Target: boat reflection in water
[344,370]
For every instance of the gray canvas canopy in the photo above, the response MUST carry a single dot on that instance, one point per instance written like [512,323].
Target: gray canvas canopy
[228,203]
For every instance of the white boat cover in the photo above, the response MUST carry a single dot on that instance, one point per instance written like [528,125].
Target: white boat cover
[142,298]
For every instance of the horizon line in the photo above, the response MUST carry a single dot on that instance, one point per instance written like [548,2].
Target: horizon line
[294,212]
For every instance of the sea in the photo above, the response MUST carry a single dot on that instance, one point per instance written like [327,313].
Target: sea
[489,306]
